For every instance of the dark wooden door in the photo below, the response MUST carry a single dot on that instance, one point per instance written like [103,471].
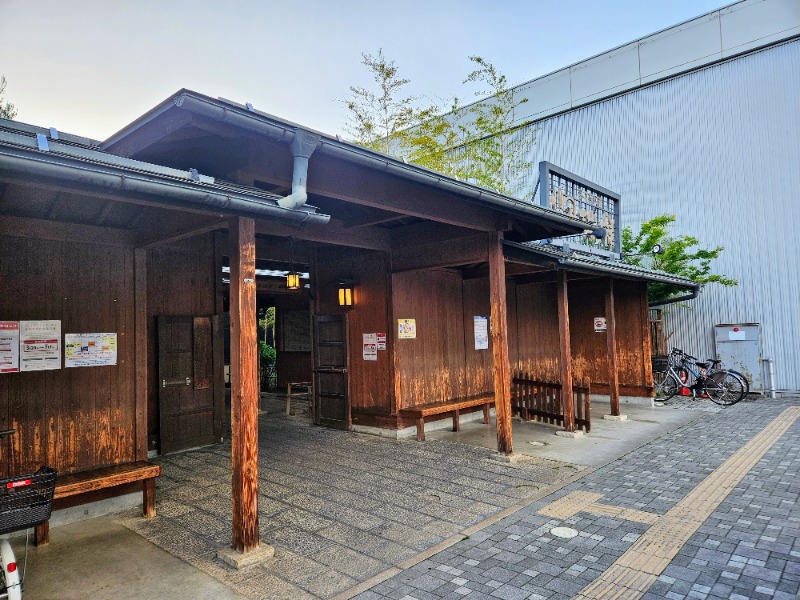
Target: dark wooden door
[331,400]
[190,412]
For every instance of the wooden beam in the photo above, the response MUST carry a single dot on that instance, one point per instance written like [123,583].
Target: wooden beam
[244,385]
[568,407]
[439,253]
[338,179]
[65,232]
[333,232]
[423,232]
[611,340]
[151,241]
[140,350]
[646,342]
[499,326]
[373,220]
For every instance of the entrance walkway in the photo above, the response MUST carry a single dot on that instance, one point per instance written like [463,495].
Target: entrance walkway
[709,511]
[338,507]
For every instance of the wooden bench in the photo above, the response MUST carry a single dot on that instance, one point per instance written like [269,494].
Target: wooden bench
[74,484]
[440,410]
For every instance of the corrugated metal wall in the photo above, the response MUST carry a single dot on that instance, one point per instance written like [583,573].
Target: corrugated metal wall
[720,149]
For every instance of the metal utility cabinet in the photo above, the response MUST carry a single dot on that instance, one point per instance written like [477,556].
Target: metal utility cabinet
[738,346]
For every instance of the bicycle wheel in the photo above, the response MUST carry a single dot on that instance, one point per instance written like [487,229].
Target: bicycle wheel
[745,382]
[723,388]
[666,385]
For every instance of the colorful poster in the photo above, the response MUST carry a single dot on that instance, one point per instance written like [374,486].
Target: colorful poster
[39,345]
[90,349]
[381,341]
[481,325]
[9,346]
[406,329]
[600,324]
[370,351]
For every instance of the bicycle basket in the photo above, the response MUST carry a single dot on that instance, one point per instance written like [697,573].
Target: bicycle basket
[660,363]
[26,501]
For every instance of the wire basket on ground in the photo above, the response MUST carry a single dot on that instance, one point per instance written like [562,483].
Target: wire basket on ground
[26,500]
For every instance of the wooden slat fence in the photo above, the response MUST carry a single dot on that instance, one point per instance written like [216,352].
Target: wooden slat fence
[541,401]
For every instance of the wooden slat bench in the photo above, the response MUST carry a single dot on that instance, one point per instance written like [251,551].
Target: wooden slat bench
[441,410]
[74,484]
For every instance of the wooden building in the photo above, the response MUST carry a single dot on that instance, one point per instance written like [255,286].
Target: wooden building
[157,233]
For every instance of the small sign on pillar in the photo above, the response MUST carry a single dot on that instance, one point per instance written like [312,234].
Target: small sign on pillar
[600,325]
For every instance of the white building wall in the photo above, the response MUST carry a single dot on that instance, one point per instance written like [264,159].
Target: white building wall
[720,149]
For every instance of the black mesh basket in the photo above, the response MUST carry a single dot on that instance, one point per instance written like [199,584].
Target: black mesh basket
[660,363]
[26,501]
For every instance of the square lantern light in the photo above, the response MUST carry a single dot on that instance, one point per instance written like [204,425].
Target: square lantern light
[293,280]
[347,294]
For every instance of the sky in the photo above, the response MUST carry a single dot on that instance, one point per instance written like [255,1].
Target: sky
[90,67]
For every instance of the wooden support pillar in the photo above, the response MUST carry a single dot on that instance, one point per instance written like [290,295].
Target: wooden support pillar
[244,384]
[499,325]
[565,352]
[647,347]
[140,349]
[611,339]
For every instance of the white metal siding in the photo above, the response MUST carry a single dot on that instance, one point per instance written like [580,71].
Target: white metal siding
[720,149]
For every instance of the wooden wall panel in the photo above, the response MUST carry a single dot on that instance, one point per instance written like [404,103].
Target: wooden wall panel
[75,418]
[180,282]
[478,375]
[631,302]
[431,367]
[589,348]
[537,331]
[371,382]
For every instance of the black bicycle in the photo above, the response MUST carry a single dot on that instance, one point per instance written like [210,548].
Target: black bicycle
[683,371]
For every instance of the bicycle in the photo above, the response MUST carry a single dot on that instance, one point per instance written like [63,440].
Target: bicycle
[25,502]
[683,371]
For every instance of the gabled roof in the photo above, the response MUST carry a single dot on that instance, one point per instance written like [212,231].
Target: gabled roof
[184,105]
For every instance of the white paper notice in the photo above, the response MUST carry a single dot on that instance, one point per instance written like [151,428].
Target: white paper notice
[481,333]
[381,341]
[9,346]
[736,334]
[39,345]
[370,346]
[90,349]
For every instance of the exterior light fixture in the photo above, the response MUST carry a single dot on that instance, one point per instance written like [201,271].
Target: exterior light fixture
[292,277]
[346,293]
[293,280]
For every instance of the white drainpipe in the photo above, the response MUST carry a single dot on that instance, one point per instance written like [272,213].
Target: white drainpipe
[302,146]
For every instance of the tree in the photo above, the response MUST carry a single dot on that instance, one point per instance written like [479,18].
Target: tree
[7,110]
[478,143]
[681,256]
[498,146]
[379,120]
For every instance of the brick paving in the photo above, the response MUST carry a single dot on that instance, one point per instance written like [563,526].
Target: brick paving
[745,547]
[338,507]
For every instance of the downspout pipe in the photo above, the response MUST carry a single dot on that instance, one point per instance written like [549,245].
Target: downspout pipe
[34,167]
[302,146]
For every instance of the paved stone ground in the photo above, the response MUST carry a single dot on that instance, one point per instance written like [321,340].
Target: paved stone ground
[747,548]
[338,507]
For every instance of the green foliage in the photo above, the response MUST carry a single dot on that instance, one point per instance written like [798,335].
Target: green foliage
[682,256]
[7,110]
[266,353]
[378,120]
[476,143]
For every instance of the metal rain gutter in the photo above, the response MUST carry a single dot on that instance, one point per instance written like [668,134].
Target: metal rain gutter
[259,124]
[692,296]
[33,165]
